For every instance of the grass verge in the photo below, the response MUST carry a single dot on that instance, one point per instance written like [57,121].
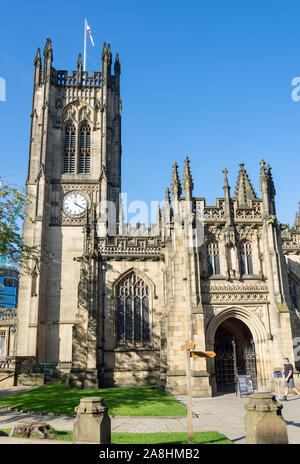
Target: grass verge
[176,438]
[125,401]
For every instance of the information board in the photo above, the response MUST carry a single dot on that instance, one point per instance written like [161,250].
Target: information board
[244,384]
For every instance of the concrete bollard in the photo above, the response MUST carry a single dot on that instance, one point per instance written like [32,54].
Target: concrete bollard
[92,423]
[264,423]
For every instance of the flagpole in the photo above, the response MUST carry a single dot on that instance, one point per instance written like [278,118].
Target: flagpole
[84,51]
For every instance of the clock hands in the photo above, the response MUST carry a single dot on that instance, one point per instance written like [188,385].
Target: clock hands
[79,206]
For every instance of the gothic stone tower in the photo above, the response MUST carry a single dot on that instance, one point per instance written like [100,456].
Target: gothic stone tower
[74,163]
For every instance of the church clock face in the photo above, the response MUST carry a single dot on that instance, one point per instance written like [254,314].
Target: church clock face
[75,204]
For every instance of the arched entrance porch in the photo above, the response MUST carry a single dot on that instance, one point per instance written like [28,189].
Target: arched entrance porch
[235,354]
[243,327]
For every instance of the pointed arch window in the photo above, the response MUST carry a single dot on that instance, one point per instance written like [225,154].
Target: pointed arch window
[293,292]
[85,148]
[69,148]
[246,258]
[213,259]
[2,345]
[133,310]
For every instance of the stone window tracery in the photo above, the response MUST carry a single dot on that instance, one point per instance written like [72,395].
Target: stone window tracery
[246,258]
[77,118]
[85,148]
[133,310]
[2,345]
[69,148]
[213,260]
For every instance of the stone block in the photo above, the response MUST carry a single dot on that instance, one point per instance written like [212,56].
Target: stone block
[31,380]
[92,423]
[35,430]
[7,379]
[264,423]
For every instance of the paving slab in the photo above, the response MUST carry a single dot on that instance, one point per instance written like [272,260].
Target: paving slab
[175,425]
[10,418]
[10,391]
[227,413]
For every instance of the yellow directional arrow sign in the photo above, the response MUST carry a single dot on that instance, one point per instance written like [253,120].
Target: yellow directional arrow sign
[190,346]
[202,354]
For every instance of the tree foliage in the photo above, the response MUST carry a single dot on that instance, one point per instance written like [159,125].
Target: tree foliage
[13,202]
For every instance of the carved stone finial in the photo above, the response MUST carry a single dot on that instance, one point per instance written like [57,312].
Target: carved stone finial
[104,49]
[168,197]
[244,190]
[176,185]
[270,180]
[188,184]
[37,59]
[48,49]
[109,54]
[117,66]
[297,220]
[225,172]
[263,177]
[79,69]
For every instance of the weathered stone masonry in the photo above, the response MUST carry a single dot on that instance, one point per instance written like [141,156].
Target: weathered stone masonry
[119,307]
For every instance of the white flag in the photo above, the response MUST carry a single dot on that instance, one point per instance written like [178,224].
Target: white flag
[90,33]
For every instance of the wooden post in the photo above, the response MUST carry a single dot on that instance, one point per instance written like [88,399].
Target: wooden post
[190,352]
[189,393]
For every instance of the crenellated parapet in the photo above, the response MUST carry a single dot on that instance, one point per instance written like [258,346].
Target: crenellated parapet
[129,248]
[243,208]
[291,236]
[63,79]
[253,211]
[290,239]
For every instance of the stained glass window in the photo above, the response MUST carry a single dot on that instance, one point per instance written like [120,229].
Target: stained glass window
[133,314]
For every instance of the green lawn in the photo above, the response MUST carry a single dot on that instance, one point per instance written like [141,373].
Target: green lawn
[126,401]
[178,438]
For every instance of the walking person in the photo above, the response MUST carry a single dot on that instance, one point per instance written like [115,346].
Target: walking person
[288,373]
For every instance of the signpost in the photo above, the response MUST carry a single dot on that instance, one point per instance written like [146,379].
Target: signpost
[190,352]
[189,391]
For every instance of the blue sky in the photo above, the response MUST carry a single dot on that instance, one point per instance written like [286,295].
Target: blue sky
[207,79]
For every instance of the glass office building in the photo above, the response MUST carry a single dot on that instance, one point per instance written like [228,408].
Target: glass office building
[9,283]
